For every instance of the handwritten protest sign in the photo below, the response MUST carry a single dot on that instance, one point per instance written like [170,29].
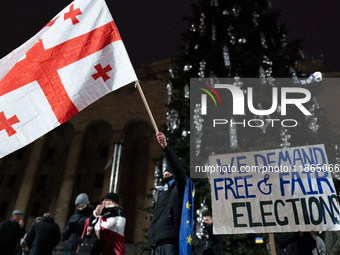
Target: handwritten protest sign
[283,190]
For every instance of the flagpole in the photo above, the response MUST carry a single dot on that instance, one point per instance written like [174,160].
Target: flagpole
[113,168]
[147,106]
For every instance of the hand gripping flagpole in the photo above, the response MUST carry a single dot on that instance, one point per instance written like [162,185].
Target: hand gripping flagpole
[146,106]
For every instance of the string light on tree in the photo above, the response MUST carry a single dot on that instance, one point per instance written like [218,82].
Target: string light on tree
[202,24]
[226,56]
[284,138]
[213,32]
[198,122]
[293,74]
[262,75]
[233,135]
[202,68]
[199,219]
[169,87]
[262,121]
[173,120]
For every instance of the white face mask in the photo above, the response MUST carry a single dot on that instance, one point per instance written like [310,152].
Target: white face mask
[109,206]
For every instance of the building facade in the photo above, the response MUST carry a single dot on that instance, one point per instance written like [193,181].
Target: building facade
[48,174]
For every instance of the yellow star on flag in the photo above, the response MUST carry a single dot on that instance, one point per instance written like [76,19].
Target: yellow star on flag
[188,205]
[189,239]
[193,193]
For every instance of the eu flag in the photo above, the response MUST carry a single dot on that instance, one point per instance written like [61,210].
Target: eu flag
[187,219]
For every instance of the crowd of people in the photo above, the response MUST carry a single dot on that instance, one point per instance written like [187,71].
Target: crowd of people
[90,231]
[100,230]
[42,237]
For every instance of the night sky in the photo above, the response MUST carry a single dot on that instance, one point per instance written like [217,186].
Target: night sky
[151,29]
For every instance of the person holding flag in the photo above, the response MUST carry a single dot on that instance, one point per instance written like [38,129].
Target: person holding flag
[172,222]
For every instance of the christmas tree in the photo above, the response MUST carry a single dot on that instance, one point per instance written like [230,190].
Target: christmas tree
[239,39]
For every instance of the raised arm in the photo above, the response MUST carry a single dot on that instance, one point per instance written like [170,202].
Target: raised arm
[172,159]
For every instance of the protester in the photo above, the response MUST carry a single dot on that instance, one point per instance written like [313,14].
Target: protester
[11,231]
[332,242]
[75,226]
[109,224]
[197,244]
[294,243]
[43,236]
[214,243]
[25,250]
[164,230]
[90,244]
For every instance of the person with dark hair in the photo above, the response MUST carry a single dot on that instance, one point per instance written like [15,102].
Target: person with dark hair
[214,243]
[75,226]
[43,236]
[11,231]
[109,222]
[164,230]
[294,243]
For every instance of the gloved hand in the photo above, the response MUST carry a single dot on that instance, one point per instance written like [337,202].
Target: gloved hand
[76,227]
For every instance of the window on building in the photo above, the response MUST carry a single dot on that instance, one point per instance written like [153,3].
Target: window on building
[42,182]
[78,182]
[35,209]
[103,152]
[84,153]
[49,156]
[2,180]
[3,208]
[98,183]
[11,181]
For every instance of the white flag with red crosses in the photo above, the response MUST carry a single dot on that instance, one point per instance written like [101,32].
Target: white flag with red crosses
[77,58]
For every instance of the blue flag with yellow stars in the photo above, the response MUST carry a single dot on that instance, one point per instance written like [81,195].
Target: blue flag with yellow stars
[187,219]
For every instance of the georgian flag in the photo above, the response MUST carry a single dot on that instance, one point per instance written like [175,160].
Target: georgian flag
[77,58]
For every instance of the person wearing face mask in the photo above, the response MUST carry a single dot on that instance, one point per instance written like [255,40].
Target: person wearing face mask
[108,222]
[164,230]
[74,229]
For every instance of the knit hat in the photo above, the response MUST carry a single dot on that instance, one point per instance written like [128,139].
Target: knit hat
[168,169]
[17,212]
[113,196]
[82,199]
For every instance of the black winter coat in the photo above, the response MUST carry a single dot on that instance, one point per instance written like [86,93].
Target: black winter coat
[10,234]
[290,243]
[74,229]
[215,241]
[166,220]
[43,237]
[90,245]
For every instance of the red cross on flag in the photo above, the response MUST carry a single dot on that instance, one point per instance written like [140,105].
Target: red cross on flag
[77,58]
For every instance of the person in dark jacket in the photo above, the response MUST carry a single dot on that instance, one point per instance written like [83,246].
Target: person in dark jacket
[43,236]
[74,229]
[90,244]
[214,243]
[294,243]
[25,250]
[165,226]
[11,231]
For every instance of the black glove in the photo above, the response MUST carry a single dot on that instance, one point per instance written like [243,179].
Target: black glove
[76,227]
